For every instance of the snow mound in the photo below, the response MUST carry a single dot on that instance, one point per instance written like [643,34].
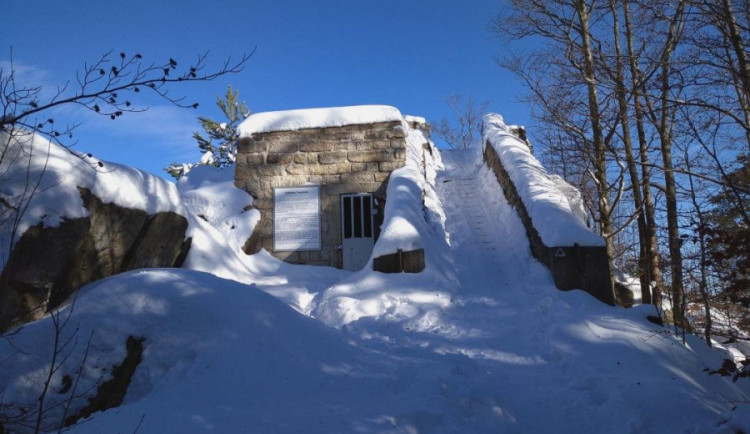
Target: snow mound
[209,193]
[289,120]
[223,354]
[44,176]
[549,209]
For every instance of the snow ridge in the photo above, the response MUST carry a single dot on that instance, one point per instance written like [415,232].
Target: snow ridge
[547,206]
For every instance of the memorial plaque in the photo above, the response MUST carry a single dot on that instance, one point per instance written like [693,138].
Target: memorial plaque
[296,218]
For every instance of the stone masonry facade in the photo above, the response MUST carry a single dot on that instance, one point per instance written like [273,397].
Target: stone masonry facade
[341,160]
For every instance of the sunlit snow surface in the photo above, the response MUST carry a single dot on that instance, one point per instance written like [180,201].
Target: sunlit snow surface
[481,341]
[289,120]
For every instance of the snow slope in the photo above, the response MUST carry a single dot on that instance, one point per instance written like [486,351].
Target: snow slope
[481,341]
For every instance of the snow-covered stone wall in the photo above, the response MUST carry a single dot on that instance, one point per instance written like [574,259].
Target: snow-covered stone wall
[558,237]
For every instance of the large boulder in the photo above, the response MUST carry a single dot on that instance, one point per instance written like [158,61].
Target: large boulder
[48,264]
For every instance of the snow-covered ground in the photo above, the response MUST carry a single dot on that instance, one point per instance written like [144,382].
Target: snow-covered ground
[481,341]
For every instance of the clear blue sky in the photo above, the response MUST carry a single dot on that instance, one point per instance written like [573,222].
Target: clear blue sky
[409,54]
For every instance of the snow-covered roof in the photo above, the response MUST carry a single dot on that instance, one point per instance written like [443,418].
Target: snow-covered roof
[289,120]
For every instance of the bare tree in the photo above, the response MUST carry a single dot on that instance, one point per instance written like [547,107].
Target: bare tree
[464,128]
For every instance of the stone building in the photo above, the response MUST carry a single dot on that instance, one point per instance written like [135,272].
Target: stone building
[318,178]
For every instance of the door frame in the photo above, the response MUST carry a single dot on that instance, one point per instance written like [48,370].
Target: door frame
[364,196]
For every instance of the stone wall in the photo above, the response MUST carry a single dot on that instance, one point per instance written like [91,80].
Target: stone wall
[576,267]
[347,159]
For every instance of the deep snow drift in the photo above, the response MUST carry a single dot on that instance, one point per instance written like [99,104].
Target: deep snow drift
[481,341]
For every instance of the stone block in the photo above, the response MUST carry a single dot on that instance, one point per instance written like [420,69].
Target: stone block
[369,156]
[381,176]
[379,144]
[353,187]
[358,177]
[298,169]
[398,144]
[332,157]
[344,146]
[277,158]
[340,135]
[243,171]
[267,184]
[286,147]
[252,186]
[378,134]
[399,153]
[329,169]
[316,146]
[270,170]
[390,166]
[247,146]
[292,180]
[254,159]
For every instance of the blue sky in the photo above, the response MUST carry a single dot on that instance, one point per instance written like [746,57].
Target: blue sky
[409,54]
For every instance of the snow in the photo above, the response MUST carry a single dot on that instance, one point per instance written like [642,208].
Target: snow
[59,173]
[419,120]
[209,193]
[549,209]
[289,120]
[480,341]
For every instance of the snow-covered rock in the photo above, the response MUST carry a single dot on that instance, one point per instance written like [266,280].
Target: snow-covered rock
[71,219]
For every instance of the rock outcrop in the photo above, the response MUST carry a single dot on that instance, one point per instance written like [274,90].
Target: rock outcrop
[48,264]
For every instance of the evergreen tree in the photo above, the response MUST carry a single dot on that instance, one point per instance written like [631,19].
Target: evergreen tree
[729,234]
[219,145]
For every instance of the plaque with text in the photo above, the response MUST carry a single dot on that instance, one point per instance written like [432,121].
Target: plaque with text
[296,218]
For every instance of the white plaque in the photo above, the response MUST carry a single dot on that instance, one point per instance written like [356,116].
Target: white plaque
[296,218]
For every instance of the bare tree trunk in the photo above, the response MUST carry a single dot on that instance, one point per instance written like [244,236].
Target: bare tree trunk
[643,262]
[600,164]
[664,129]
[652,270]
[703,284]
[735,37]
